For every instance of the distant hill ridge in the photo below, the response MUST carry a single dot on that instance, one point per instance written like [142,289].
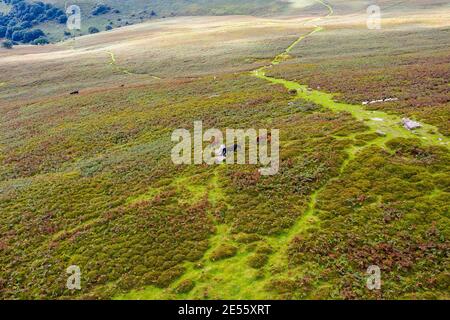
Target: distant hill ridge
[40,22]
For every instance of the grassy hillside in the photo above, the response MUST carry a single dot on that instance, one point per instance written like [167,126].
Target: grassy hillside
[110,14]
[411,66]
[123,13]
[165,49]
[119,13]
[87,179]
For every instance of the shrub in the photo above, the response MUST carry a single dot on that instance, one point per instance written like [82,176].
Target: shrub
[169,276]
[185,286]
[7,44]
[25,25]
[223,251]
[101,9]
[40,41]
[247,238]
[2,31]
[62,19]
[264,249]
[17,36]
[257,260]
[93,30]
[29,36]
[52,13]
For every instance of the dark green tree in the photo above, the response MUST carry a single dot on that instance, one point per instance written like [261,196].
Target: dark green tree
[40,41]
[7,44]
[93,30]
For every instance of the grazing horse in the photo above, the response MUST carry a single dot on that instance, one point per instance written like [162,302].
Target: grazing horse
[235,147]
[267,138]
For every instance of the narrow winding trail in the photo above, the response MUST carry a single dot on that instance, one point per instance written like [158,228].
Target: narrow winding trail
[232,278]
[113,62]
[389,124]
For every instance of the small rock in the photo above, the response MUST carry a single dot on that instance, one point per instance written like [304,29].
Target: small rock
[379,101]
[410,124]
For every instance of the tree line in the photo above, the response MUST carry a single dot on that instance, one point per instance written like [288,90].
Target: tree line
[18,25]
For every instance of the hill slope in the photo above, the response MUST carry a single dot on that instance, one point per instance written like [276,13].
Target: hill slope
[104,15]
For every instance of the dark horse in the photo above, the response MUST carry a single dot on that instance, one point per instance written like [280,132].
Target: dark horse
[235,148]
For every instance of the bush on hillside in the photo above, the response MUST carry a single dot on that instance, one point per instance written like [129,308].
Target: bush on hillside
[40,41]
[17,36]
[101,9]
[32,35]
[185,286]
[93,30]
[223,251]
[7,44]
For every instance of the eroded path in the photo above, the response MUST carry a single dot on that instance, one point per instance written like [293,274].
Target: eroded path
[113,63]
[378,121]
[232,278]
